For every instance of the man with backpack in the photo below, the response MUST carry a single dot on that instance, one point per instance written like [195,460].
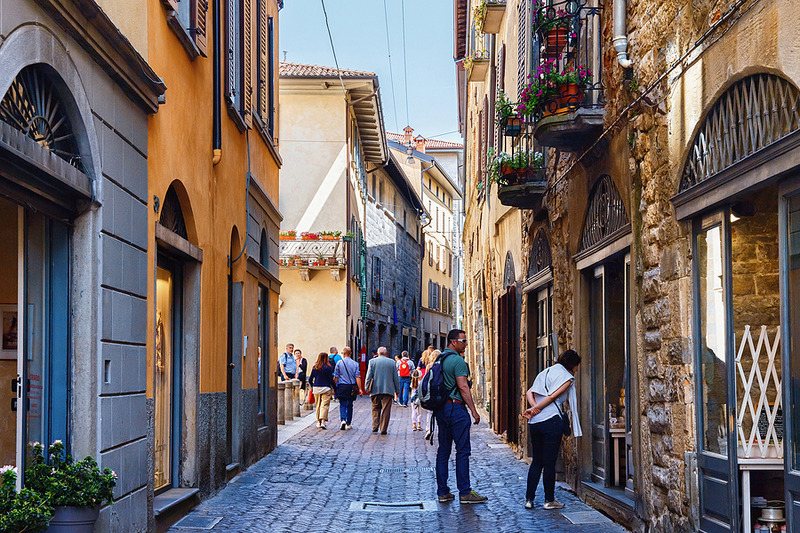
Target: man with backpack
[448,395]
[404,370]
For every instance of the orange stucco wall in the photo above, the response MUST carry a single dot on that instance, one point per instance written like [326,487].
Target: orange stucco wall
[180,148]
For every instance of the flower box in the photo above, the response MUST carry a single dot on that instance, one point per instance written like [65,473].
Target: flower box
[286,235]
[478,69]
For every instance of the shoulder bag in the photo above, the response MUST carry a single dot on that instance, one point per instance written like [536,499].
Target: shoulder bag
[566,425]
[346,391]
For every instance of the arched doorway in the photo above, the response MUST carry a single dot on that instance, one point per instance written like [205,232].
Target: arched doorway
[507,369]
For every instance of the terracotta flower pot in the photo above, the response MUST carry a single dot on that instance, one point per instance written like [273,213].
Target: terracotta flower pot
[571,96]
[328,237]
[331,261]
[556,40]
[286,237]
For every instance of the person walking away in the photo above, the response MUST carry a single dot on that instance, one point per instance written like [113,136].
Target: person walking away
[286,364]
[404,370]
[347,377]
[334,356]
[322,386]
[454,422]
[382,383]
[416,425]
[432,356]
[302,367]
[552,388]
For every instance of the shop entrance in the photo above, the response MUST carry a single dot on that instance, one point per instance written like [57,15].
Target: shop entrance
[34,347]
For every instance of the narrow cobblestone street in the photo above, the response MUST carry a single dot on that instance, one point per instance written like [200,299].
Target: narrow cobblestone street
[320,480]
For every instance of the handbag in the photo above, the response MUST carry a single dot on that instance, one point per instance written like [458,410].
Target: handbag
[566,425]
[346,391]
[311,398]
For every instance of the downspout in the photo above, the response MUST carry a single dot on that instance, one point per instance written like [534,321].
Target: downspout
[620,37]
[216,129]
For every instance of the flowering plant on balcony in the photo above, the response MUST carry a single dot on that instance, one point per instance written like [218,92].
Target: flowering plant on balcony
[309,236]
[507,168]
[505,107]
[579,75]
[287,235]
[333,234]
[477,55]
[547,17]
[478,14]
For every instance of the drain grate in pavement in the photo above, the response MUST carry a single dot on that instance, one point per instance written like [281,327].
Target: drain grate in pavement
[406,470]
[249,480]
[586,517]
[199,521]
[393,507]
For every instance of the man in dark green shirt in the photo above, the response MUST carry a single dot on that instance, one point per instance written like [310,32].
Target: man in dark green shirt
[454,422]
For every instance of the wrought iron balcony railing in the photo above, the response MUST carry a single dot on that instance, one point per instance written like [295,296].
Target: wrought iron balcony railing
[318,254]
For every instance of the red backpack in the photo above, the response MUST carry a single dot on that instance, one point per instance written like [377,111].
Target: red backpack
[404,370]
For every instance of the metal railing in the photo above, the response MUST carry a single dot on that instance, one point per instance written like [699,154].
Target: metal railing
[301,253]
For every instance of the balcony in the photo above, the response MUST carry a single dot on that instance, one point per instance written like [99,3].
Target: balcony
[567,83]
[523,190]
[312,255]
[518,169]
[490,15]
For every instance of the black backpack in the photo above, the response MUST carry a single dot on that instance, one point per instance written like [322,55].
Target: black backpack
[432,391]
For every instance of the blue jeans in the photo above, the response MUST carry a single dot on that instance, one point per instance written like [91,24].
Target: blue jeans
[346,411]
[405,388]
[454,423]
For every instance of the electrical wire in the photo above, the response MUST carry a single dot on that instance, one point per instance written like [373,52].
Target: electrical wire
[333,49]
[391,71]
[405,54]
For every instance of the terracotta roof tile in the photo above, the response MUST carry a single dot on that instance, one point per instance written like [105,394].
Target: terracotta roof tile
[430,144]
[296,70]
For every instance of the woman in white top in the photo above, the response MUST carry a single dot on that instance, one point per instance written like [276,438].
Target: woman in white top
[550,390]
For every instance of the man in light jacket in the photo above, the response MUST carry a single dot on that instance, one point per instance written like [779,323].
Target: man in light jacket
[382,384]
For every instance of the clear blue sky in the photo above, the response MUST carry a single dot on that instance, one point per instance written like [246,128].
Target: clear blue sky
[359,36]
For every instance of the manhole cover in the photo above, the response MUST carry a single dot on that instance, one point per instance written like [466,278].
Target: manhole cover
[249,480]
[394,507]
[406,470]
[199,521]
[586,517]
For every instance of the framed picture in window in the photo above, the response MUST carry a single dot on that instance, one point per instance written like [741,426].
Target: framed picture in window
[8,341]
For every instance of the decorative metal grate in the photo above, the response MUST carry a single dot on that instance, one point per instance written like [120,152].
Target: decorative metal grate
[33,106]
[172,215]
[605,215]
[540,258]
[305,253]
[756,112]
[759,379]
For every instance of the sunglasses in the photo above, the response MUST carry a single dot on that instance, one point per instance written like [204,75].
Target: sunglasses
[461,340]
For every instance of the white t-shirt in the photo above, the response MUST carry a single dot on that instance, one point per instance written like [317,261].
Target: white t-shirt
[550,410]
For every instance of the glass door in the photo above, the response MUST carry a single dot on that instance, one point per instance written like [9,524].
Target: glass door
[717,445]
[790,247]
[598,362]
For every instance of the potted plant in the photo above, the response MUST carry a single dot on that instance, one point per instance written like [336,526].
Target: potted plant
[294,259]
[309,236]
[348,236]
[76,489]
[329,235]
[25,510]
[554,25]
[507,116]
[476,65]
[287,235]
[508,169]
[331,260]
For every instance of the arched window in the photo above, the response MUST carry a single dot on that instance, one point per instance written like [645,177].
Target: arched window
[33,106]
[172,214]
[263,251]
[754,113]
[540,258]
[605,214]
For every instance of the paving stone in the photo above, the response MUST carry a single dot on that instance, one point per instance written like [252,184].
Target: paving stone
[320,480]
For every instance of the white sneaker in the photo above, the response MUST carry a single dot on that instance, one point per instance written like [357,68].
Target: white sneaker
[553,505]
[343,426]
[349,426]
[322,425]
[319,424]
[528,504]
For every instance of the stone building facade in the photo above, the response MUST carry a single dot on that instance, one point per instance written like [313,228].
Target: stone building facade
[656,241]
[393,235]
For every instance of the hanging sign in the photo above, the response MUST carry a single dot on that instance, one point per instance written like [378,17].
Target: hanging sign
[763,424]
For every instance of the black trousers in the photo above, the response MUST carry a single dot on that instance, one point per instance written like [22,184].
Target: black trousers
[545,438]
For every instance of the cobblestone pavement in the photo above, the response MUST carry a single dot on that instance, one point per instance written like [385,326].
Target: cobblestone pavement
[319,480]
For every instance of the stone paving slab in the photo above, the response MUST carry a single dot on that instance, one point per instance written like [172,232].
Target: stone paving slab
[339,481]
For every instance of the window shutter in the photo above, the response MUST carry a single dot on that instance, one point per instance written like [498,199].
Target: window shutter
[199,16]
[262,79]
[271,75]
[501,85]
[523,43]
[479,158]
[485,139]
[233,54]
[247,63]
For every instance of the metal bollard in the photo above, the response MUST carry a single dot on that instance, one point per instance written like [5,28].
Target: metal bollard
[281,394]
[288,411]
[297,397]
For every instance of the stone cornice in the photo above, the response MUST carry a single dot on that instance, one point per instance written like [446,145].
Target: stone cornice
[88,24]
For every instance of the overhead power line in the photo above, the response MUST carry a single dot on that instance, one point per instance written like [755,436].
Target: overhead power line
[333,49]
[391,72]
[405,53]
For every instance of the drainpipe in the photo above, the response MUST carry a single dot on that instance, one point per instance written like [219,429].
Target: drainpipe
[620,37]
[217,118]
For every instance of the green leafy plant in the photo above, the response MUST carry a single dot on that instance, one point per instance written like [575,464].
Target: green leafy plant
[469,61]
[547,17]
[478,14]
[25,510]
[331,233]
[65,482]
[287,233]
[505,107]
[501,163]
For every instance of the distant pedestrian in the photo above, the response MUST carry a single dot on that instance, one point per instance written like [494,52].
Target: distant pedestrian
[322,386]
[347,377]
[334,356]
[286,364]
[382,383]
[302,366]
[550,390]
[429,359]
[454,422]
[416,424]
[404,370]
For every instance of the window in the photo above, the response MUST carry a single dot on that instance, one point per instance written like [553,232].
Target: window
[187,19]
[374,188]
[265,69]
[376,277]
[263,252]
[380,191]
[237,95]
[429,247]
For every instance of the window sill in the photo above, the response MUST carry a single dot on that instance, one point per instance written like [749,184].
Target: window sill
[268,140]
[180,32]
[235,115]
[172,498]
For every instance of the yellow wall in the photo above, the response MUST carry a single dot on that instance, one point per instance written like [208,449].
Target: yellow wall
[131,19]
[180,148]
